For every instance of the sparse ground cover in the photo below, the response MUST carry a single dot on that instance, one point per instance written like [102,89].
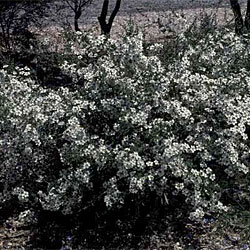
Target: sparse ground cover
[128,143]
[158,20]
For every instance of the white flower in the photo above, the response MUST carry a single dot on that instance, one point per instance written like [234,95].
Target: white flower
[197,215]
[22,195]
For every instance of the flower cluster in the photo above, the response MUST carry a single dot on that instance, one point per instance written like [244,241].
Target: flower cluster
[129,127]
[22,195]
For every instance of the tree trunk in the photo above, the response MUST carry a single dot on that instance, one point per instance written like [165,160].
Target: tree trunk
[78,14]
[237,15]
[106,27]
[247,18]
[76,25]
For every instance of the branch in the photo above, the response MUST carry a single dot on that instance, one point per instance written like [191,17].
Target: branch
[237,16]
[248,7]
[84,2]
[115,11]
[69,4]
[104,12]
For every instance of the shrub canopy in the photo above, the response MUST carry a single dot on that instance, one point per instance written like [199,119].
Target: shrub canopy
[129,127]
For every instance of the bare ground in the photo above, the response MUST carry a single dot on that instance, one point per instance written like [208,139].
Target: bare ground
[174,15]
[173,18]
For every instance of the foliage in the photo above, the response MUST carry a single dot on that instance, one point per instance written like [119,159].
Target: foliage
[132,132]
[15,17]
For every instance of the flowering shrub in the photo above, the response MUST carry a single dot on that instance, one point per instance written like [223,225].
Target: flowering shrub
[129,128]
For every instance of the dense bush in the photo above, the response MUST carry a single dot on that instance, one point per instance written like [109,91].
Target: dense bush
[131,131]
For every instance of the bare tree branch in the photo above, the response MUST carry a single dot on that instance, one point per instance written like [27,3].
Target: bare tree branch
[104,10]
[77,6]
[237,15]
[115,11]
[17,15]
[247,18]
[69,2]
